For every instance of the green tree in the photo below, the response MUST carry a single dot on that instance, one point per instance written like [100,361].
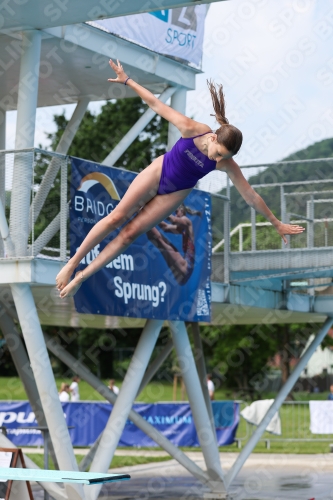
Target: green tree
[266,238]
[99,134]
[237,355]
[99,350]
[241,356]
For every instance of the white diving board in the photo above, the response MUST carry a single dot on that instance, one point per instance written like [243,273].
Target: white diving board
[59,476]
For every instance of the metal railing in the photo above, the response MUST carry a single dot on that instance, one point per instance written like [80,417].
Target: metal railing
[221,227]
[240,231]
[304,206]
[46,223]
[295,426]
[48,218]
[317,236]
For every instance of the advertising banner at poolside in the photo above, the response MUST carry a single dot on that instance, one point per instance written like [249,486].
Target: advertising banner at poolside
[89,419]
[175,32]
[164,274]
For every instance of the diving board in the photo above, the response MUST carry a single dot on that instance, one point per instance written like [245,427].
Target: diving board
[59,476]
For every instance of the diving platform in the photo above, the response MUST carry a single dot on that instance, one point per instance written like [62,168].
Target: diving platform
[255,292]
[20,16]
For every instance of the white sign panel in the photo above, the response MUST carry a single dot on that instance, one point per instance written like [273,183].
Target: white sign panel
[321,417]
[174,32]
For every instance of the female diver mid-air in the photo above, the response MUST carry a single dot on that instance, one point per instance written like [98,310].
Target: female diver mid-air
[161,187]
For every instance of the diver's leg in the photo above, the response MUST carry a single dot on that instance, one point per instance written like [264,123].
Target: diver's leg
[149,216]
[143,188]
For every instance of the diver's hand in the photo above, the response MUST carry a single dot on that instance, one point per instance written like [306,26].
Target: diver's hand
[119,70]
[284,229]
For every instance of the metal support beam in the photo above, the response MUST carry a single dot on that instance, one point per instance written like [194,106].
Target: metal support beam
[133,133]
[85,374]
[53,169]
[253,230]
[6,244]
[23,368]
[158,361]
[4,232]
[178,102]
[20,14]
[89,457]
[150,372]
[124,402]
[310,218]
[47,389]
[283,393]
[25,133]
[198,406]
[63,210]
[201,367]
[226,230]
[48,233]
[283,213]
[2,170]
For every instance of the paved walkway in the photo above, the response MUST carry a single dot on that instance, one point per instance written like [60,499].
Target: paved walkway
[264,477]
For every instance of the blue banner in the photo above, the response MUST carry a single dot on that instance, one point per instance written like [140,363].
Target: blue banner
[173,420]
[164,274]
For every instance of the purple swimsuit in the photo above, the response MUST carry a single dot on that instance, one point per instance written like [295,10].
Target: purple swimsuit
[183,166]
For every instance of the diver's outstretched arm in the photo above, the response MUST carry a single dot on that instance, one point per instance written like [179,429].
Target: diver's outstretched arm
[255,200]
[185,125]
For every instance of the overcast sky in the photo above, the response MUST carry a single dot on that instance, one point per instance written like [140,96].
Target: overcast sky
[275,60]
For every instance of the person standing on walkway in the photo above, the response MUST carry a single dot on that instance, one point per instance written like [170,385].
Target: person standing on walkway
[74,389]
[330,396]
[64,393]
[211,387]
[113,387]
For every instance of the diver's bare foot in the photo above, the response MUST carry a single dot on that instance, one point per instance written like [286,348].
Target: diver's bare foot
[64,275]
[72,287]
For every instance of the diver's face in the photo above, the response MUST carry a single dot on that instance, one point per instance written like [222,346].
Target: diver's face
[217,152]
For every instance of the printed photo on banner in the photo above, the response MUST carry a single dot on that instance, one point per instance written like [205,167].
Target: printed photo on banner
[164,274]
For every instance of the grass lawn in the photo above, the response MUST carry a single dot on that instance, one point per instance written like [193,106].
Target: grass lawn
[116,462]
[11,389]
